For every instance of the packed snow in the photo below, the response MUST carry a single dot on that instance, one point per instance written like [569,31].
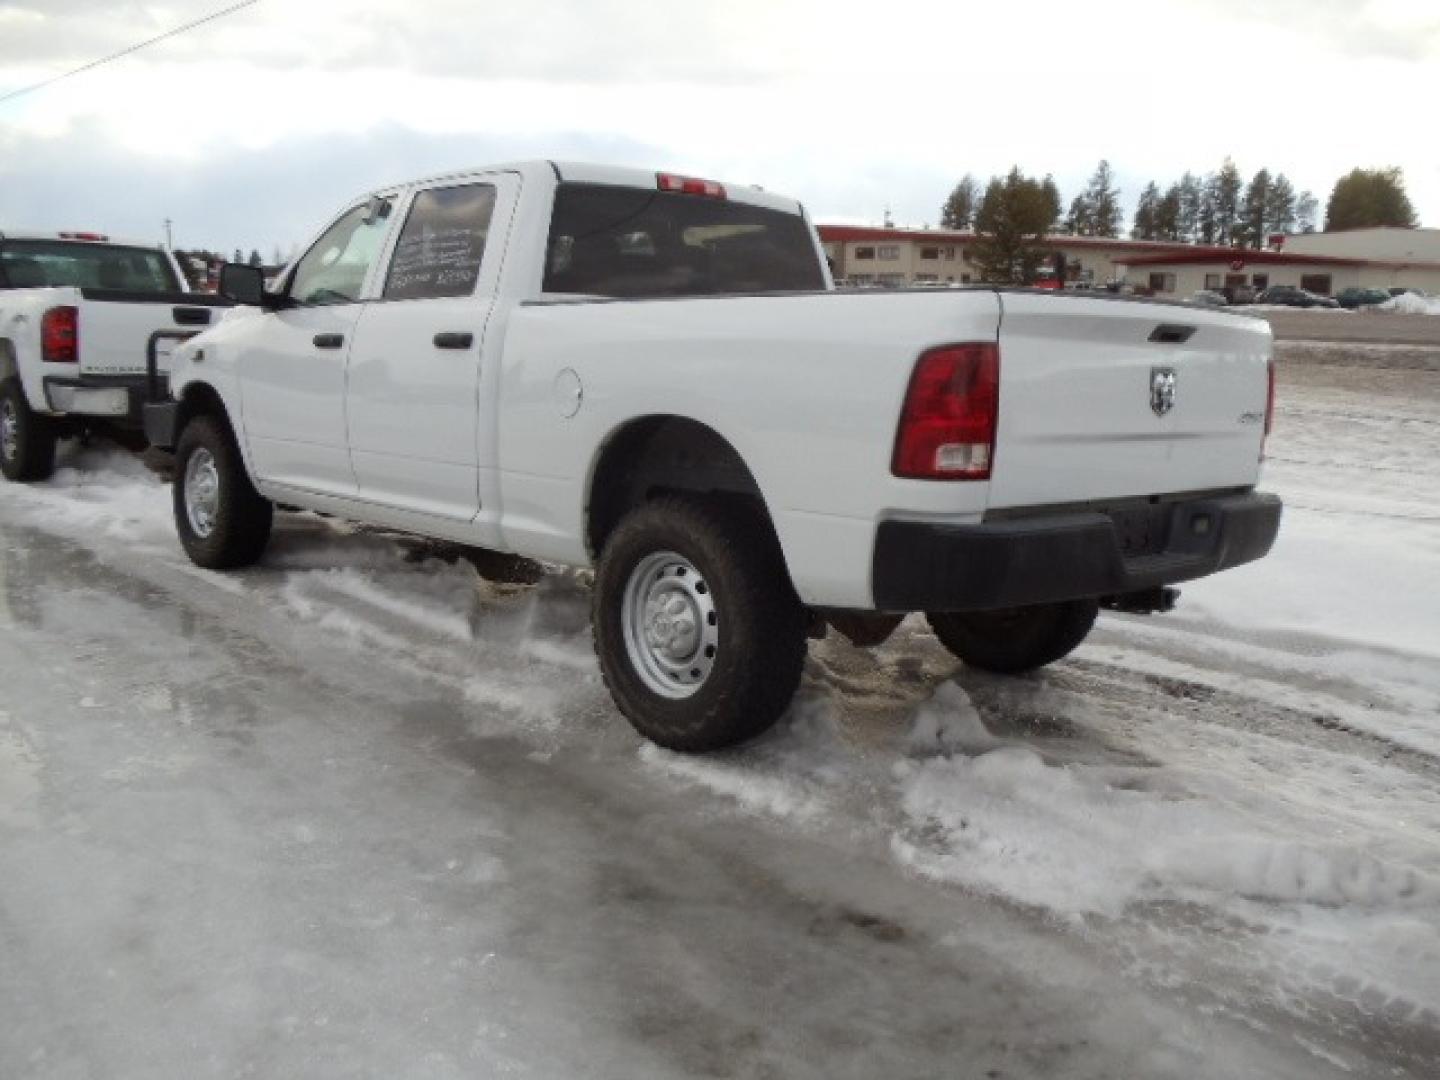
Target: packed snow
[1410,303]
[1243,796]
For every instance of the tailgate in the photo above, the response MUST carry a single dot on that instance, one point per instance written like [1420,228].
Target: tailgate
[1105,398]
[116,328]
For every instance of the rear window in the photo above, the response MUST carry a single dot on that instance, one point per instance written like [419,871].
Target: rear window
[629,242]
[27,264]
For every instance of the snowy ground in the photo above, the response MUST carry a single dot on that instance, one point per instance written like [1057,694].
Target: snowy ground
[357,812]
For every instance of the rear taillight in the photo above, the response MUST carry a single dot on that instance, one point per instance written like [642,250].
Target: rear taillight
[689,185]
[60,335]
[947,427]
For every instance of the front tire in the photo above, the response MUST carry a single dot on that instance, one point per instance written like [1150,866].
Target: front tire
[700,637]
[223,522]
[27,440]
[1015,640]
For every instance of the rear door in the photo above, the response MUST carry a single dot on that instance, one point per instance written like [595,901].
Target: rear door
[292,370]
[1108,398]
[413,392]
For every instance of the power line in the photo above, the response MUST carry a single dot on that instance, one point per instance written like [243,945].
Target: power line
[132,49]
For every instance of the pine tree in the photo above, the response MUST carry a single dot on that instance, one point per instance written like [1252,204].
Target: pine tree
[1307,210]
[1225,187]
[1078,220]
[1254,222]
[1052,198]
[1280,206]
[1207,226]
[1169,212]
[1192,196]
[239,256]
[959,209]
[1102,200]
[1012,221]
[1366,198]
[1146,224]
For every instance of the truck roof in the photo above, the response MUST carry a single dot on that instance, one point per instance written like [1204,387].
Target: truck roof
[545,171]
[77,236]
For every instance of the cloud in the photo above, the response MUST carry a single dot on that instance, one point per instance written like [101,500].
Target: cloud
[849,108]
[590,41]
[1407,30]
[281,195]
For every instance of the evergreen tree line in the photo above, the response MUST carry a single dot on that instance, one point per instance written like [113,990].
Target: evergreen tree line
[1219,209]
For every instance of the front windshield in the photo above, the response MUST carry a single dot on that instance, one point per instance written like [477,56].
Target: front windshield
[40,263]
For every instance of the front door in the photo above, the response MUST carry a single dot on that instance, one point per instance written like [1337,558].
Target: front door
[413,392]
[292,372]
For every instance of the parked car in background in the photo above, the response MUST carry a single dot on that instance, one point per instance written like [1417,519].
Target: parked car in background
[652,374]
[1238,294]
[1294,296]
[1356,297]
[1209,298]
[78,314]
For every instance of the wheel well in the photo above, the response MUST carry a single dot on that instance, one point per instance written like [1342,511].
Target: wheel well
[658,455]
[8,367]
[200,399]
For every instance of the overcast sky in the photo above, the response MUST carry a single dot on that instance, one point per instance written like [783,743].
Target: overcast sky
[250,130]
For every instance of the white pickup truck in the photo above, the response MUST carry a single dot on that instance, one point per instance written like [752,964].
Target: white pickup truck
[78,314]
[653,375]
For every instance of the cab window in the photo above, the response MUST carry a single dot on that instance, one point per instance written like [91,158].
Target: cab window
[333,270]
[441,246]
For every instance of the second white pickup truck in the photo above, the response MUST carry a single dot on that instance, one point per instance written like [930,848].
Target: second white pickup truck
[653,375]
[79,312]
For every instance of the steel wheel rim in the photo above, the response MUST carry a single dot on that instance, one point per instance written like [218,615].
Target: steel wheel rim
[202,492]
[671,625]
[9,430]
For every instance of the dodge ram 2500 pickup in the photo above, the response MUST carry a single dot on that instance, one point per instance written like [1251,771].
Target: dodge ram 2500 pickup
[652,374]
[78,313]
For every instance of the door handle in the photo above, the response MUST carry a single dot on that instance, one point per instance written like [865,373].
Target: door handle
[328,341]
[452,339]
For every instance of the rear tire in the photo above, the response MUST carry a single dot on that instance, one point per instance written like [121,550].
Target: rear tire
[700,637]
[27,440]
[223,522]
[1015,640]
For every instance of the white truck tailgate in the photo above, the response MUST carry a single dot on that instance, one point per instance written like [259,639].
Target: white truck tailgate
[1102,398]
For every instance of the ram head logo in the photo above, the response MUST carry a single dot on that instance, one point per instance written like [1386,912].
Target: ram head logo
[1162,390]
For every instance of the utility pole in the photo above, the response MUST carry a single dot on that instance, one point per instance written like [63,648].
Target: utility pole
[169,241]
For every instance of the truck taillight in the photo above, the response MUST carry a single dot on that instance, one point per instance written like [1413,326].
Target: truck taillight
[689,185]
[60,335]
[947,427]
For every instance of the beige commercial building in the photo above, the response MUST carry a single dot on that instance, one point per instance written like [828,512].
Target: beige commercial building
[1321,262]
[887,256]
[1326,263]
[1215,268]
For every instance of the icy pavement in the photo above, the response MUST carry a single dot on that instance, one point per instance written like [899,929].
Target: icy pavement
[358,813]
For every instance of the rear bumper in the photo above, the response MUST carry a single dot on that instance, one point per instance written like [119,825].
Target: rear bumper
[921,566]
[117,398]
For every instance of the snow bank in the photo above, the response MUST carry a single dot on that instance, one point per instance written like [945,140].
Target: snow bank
[1410,303]
[99,492]
[1093,839]
[1324,899]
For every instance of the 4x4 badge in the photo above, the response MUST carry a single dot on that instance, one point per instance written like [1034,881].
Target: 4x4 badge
[1162,390]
